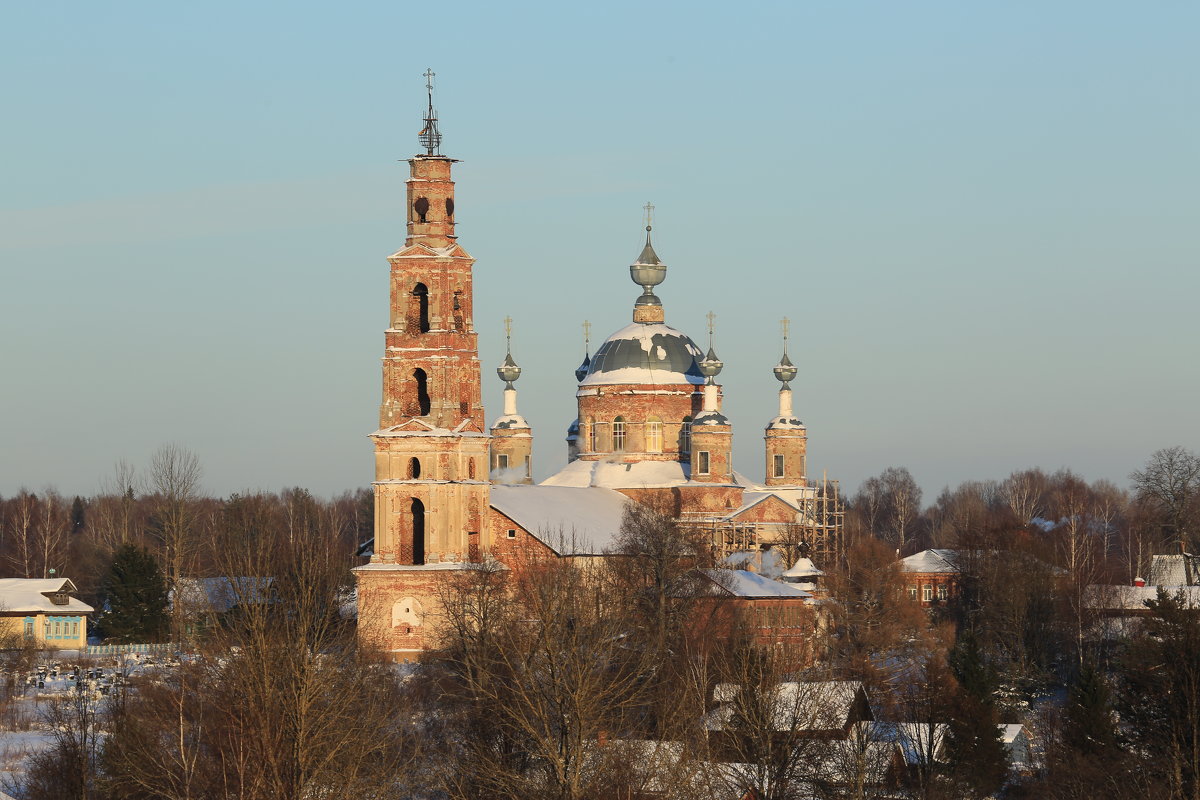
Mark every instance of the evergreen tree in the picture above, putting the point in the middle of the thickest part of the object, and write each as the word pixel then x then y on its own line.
pixel 1088 728
pixel 136 597
pixel 976 757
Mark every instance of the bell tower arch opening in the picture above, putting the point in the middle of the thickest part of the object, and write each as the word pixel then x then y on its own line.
pixel 422 389
pixel 418 312
pixel 418 532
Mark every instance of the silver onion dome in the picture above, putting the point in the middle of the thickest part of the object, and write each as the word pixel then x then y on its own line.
pixel 710 365
pixel 508 371
pixel 648 272
pixel 785 370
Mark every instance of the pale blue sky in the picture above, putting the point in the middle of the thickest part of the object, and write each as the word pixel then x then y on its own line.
pixel 982 219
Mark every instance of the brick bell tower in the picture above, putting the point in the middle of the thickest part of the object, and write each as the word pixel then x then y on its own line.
pixel 786 437
pixel 431 449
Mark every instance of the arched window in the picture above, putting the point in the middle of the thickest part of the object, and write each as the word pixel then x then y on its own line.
pixel 418 531
pixel 449 207
pixel 470 469
pixel 422 390
pixel 414 468
pixel 418 312
pixel 618 434
pixel 654 443
pixel 421 208
pixel 591 434
pixel 685 435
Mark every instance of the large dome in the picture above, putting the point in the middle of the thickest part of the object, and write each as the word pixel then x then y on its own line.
pixel 645 353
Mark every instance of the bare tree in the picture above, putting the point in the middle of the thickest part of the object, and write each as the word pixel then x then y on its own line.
pixel 1171 478
pixel 22 525
pixel 174 480
pixel 1024 492
pixel 902 504
pixel 53 525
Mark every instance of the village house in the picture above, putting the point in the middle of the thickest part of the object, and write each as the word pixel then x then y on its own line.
pixel 41 612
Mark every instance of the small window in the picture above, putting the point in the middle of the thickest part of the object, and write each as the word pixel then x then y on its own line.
pixel 470 469
pixel 777 468
pixel 702 462
pixel 685 435
pixel 449 207
pixel 912 593
pixel 528 467
pixel 414 468
pixel 512 533
pixel 927 592
pixel 654 435
pixel 591 434
pixel 942 591
pixel 502 461
pixel 29 627
pixel 618 434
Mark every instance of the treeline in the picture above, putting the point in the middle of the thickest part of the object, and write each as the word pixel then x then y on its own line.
pixel 162 508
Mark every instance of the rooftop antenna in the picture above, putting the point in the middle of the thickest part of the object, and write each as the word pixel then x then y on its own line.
pixel 429 136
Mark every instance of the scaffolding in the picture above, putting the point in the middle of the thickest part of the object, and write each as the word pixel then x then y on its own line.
pixel 817 532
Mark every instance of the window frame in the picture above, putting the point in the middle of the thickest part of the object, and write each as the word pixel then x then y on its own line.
pixel 620 435
pixel 703 462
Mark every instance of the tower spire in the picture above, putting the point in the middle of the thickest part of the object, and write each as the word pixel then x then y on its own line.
pixel 582 370
pixel 648 272
pixel 430 137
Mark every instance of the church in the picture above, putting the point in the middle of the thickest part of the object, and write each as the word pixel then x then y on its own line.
pixel 450 491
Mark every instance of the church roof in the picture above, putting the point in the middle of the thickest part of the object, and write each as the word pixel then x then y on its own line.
pixel 645 353
pixel 569 520
pixel 619 475
pixel 751 585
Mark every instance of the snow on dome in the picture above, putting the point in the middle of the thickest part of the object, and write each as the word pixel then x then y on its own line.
pixel 619 475
pixel 645 353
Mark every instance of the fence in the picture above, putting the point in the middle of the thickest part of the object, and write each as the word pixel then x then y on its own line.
pixel 126 649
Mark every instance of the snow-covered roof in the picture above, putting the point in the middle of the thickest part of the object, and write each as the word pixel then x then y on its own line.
pixel 570 520
pixel 765 562
pixel 619 475
pixel 935 560
pixel 1180 569
pixel 918 741
pixel 1133 598
pixel 223 593
pixel 645 353
pixel 785 423
pixel 803 568
pixel 751 585
pixel 25 595
pixel 794 706
pixel 510 421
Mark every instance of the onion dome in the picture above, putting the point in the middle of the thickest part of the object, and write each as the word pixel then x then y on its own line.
pixel 711 366
pixel 785 371
pixel 648 271
pixel 582 370
pixel 508 371
pixel 645 353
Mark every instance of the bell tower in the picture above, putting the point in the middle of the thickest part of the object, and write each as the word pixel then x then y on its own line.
pixel 431 448
pixel 786 436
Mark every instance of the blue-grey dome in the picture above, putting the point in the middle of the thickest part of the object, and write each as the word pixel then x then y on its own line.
pixel 645 352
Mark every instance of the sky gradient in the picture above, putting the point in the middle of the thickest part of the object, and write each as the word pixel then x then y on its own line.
pixel 981 219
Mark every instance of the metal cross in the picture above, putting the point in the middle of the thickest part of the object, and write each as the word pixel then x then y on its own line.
pixel 785 325
pixel 429 75
pixel 712 322
pixel 508 331
pixel 587 334
pixel 649 208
